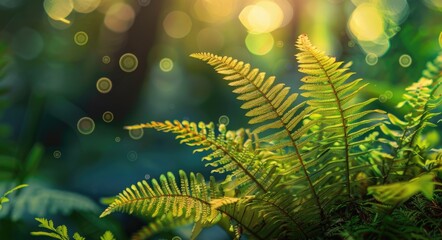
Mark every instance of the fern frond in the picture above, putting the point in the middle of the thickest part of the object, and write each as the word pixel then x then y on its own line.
pixel 230 152
pixel 271 106
pixel 4 199
pixel 40 201
pixel 334 98
pixel 194 199
pixel 107 236
pixel 422 97
pixel 60 232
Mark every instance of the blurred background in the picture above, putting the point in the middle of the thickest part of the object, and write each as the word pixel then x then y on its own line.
pixel 77 71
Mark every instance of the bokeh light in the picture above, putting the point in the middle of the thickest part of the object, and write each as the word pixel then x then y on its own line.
pixel 106 59
pixel 136 133
pixel 405 60
pixel 366 22
pixel 117 139
pixel 104 85
pixel 57 154
pixel 108 116
pixel 58 9
pixel 85 125
pixel 224 120
pixel 147 176
pixel 128 62
pixel 119 17
pixel 166 64
pixel 85 6
pixel 132 156
pixel 81 38
pixel 177 24
pixel 371 59
pixel 259 44
pixel 213 11
pixel 262 17
pixel 388 94
pixel 382 98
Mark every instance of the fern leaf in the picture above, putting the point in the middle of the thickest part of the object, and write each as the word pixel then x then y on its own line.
pixel 327 88
pixel 271 106
pixel 231 152
pixel 59 232
pixel 423 97
pixel 107 236
pixel 192 200
pixel 400 192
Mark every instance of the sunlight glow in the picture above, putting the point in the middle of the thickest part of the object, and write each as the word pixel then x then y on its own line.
pixel 214 11
pixel 119 17
pixel 58 9
pixel 86 6
pixel 177 24
pixel 262 17
pixel 259 44
pixel 366 23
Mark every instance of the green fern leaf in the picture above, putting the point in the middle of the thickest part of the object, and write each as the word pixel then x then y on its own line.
pixel 334 99
pixel 231 152
pixel 107 236
pixel 271 106
pixel 194 199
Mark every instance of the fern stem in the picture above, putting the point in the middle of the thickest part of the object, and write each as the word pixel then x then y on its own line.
pixel 341 112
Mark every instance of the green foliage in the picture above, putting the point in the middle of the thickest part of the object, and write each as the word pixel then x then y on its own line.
pixel 309 167
pixel 41 201
pixel 61 232
pixel 4 199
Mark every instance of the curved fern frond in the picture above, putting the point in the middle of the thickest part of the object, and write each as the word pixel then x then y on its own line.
pixel 230 152
pixel 194 199
pixel 271 106
pixel 334 98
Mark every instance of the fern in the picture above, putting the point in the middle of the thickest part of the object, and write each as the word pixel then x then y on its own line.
pixel 231 152
pixel 333 98
pixel 194 199
pixel 40 201
pixel 4 199
pixel 61 232
pixel 304 170
pixel 422 97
